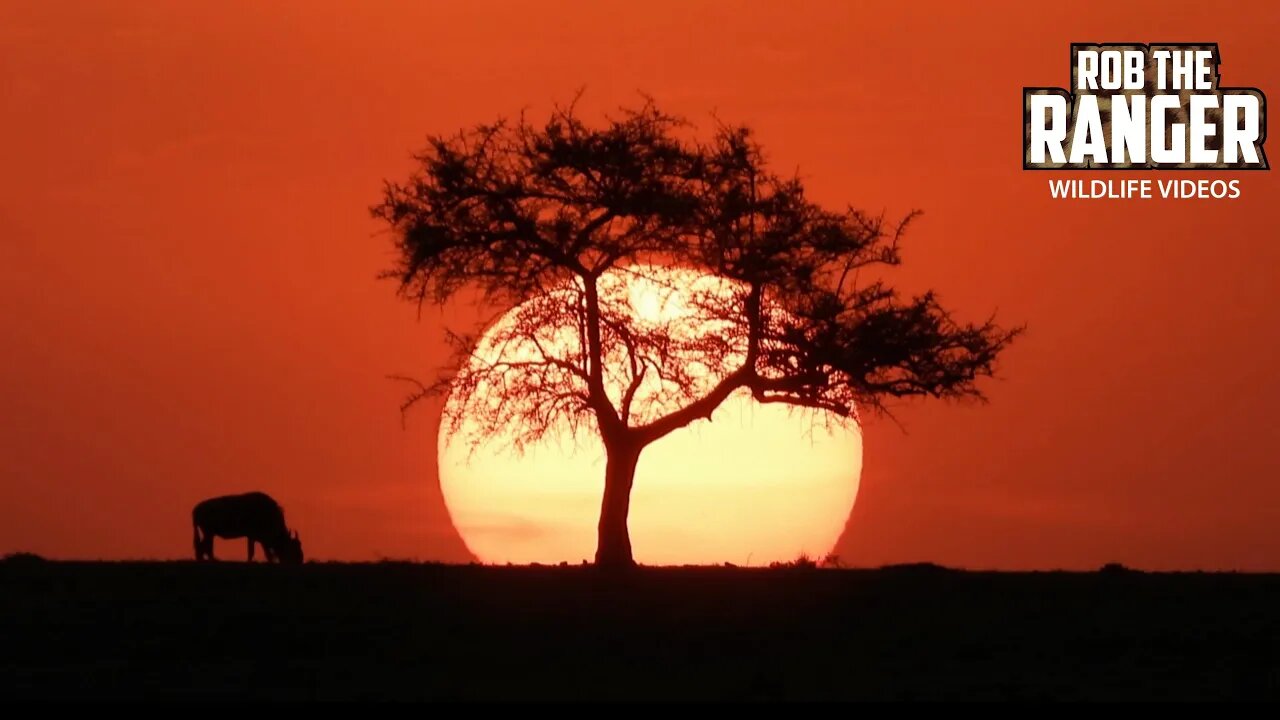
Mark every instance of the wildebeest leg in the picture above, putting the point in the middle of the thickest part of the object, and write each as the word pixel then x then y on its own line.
pixel 251 541
pixel 204 544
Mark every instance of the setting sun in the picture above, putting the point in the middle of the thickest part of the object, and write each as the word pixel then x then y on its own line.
pixel 756 484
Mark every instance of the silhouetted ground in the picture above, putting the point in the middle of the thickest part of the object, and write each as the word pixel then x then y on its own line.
pixel 402 631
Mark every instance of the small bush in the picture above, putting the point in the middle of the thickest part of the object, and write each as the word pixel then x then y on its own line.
pixel 22 558
pixel 803 562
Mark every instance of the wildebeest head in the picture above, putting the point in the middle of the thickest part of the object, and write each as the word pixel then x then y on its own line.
pixel 290 550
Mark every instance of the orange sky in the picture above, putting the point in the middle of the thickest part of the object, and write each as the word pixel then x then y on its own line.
pixel 189 305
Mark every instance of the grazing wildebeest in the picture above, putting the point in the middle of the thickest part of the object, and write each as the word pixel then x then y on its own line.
pixel 252 515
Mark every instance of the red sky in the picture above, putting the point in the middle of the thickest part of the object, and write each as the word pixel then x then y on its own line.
pixel 187 265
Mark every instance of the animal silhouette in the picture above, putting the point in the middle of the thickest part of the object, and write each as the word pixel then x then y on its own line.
pixel 253 515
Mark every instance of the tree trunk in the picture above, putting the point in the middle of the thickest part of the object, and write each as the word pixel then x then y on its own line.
pixel 613 549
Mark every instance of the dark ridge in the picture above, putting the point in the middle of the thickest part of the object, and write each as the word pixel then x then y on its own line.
pixel 918 567
pixel 408 631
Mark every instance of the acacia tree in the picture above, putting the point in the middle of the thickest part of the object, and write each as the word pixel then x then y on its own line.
pixel 545 218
